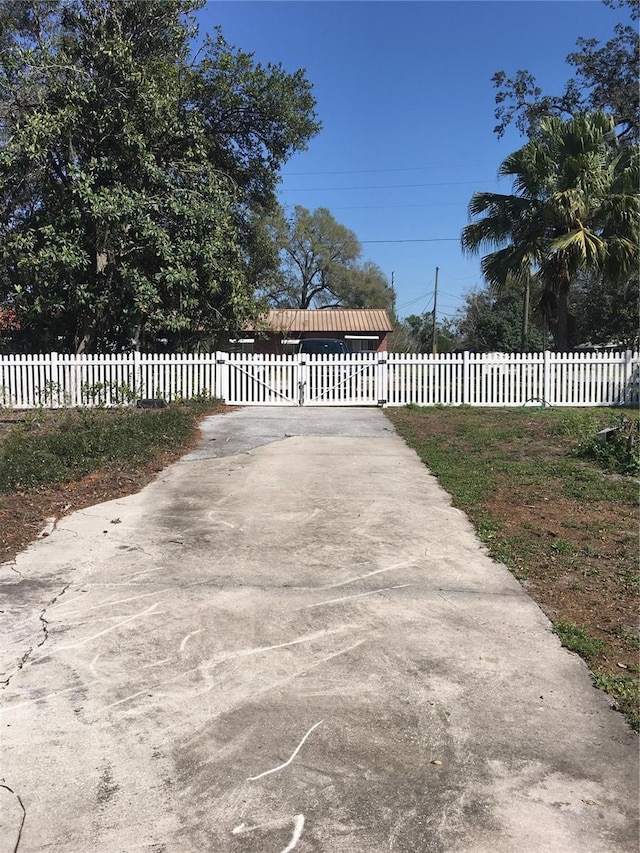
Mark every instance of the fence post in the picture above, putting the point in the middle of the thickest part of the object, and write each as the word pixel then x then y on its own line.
pixel 136 385
pixel 546 380
pixel 222 376
pixel 627 392
pixel 466 396
pixel 381 393
pixel 51 380
pixel 75 365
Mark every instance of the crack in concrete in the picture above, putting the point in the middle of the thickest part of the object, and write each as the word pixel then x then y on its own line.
pixel 127 547
pixel 44 622
pixel 23 818
pixel 21 663
pixel 11 564
pixel 67 530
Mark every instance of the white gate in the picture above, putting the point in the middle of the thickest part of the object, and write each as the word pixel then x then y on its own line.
pixel 259 380
pixel 303 380
pixel 345 380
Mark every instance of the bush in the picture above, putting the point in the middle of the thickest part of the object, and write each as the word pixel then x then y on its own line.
pixel 576 424
pixel 620 452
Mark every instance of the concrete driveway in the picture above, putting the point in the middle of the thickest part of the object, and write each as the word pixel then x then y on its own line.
pixel 291 641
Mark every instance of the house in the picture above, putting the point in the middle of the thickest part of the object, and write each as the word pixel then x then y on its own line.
pixel 9 328
pixel 282 329
pixel 9 321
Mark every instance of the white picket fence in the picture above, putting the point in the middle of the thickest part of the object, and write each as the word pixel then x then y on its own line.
pixel 370 379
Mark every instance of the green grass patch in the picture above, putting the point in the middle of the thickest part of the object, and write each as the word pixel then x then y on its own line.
pixel 449 461
pixel 625 691
pixel 577 640
pixel 515 552
pixel 578 424
pixel 80 441
pixel 562 546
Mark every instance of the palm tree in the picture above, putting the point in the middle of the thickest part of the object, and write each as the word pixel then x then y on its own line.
pixel 574 209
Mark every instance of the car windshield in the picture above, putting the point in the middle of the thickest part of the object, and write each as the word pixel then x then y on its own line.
pixel 320 346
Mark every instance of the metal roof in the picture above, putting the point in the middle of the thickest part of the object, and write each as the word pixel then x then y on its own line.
pixel 296 320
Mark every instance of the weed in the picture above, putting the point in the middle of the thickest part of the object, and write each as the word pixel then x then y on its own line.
pixel 625 691
pixel 632 642
pixel 592 551
pixel 487 527
pixel 561 546
pixel 617 451
pixel 103 393
pixel 630 580
pixel 577 640
pixel 513 551
pixel 590 573
pixel 576 424
pixel 53 393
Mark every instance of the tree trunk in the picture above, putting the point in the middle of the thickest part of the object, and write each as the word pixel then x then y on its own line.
pixel 84 344
pixel 561 331
pixel 525 318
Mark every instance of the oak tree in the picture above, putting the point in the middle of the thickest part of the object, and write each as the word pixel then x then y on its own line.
pixel 606 80
pixel 130 172
pixel 322 267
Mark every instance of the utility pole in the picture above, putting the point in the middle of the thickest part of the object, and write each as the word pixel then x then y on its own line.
pixel 434 337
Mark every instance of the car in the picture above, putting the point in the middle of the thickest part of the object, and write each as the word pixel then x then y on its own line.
pixel 324 379
pixel 323 346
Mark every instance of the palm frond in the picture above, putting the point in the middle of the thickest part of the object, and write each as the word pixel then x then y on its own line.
pixel 581 247
pixel 510 264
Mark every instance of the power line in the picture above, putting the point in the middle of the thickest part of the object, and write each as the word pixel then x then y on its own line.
pixel 395 206
pixel 419 240
pixel 383 186
pixel 464 278
pixel 404 240
pixel 378 171
pixel 426 296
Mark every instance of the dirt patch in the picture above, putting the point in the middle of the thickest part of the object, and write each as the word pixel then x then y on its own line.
pixel 577 564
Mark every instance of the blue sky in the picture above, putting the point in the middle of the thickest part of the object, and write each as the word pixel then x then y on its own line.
pixel 406 101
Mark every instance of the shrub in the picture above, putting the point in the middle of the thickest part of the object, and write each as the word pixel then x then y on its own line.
pixel 620 451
